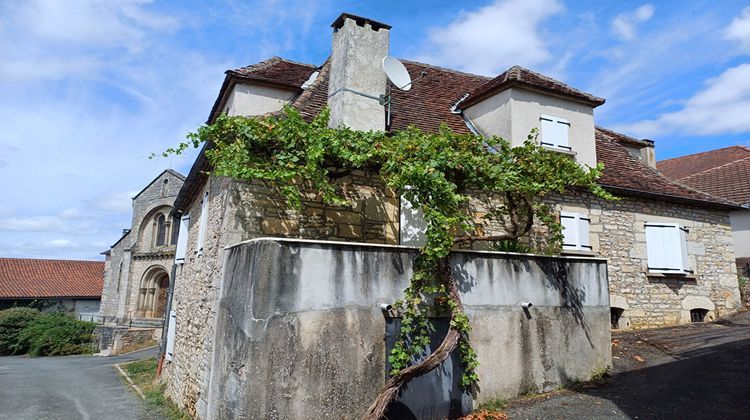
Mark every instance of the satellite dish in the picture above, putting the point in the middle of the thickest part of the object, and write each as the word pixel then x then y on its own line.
pixel 396 73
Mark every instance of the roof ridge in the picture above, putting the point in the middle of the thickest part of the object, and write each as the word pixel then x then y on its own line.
pixel 251 68
pixel 446 69
pixel 717 167
pixel 707 151
pixel 50 259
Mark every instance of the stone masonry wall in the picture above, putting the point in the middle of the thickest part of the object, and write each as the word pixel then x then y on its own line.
pixel 240 211
pixel 617 232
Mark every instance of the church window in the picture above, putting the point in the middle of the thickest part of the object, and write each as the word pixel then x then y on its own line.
pixel 161 230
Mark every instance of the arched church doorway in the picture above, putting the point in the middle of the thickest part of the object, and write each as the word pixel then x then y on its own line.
pixel 152 295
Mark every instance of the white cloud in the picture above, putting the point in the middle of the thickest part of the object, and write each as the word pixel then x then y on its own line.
pixel 118 202
pixel 109 23
pixel 493 38
pixel 721 107
pixel 739 29
pixel 624 25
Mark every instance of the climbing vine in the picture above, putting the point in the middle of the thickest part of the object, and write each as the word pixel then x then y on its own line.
pixel 436 172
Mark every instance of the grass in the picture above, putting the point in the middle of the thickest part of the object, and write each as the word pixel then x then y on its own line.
pixel 143 374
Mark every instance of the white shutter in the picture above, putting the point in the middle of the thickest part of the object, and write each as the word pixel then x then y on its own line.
pixel 412 224
pixel 683 246
pixel 555 132
pixel 169 348
pixel 570 230
pixel 583 232
pixel 182 237
pixel 666 246
pixel 202 224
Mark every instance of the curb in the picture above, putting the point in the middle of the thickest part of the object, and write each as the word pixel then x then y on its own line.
pixel 136 351
pixel 130 381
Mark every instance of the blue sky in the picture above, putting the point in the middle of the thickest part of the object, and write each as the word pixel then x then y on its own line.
pixel 89 89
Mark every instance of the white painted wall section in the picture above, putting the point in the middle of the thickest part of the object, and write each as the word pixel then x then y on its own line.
pixel 513 113
pixel 256 100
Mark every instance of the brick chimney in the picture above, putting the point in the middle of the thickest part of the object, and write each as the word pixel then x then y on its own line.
pixel 359 45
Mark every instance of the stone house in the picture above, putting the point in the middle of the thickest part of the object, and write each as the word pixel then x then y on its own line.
pixel 668 247
pixel 69 286
pixel 723 173
pixel 138 266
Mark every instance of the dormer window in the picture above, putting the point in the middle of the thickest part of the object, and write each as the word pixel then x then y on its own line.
pixel 555 132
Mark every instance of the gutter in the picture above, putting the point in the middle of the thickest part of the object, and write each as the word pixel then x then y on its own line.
pixel 456 110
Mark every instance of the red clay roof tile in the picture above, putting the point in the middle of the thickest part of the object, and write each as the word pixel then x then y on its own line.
pixel 429 103
pixel 684 166
pixel 36 278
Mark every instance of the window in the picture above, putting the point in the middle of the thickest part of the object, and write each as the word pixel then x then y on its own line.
pixel 666 244
pixel 182 237
pixel 698 315
pixel 202 224
pixel 575 231
pixel 161 230
pixel 614 315
pixel 175 230
pixel 555 132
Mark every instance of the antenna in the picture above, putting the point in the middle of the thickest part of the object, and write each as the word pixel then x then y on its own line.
pixel 397 73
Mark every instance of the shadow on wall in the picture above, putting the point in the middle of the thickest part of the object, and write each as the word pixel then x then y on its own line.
pixel 557 277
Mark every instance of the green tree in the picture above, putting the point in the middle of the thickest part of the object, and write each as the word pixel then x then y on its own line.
pixel 438 172
pixel 12 322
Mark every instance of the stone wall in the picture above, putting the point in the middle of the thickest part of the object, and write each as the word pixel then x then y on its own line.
pixel 617 233
pixel 136 253
pixel 240 211
pixel 304 339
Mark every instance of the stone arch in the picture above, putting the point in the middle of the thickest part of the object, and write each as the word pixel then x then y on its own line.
pixel 697 302
pixel 155 225
pixel 152 293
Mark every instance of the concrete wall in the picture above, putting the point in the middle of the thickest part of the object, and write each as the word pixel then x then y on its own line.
pixel 513 113
pixel 256 99
pixel 304 339
pixel 740 221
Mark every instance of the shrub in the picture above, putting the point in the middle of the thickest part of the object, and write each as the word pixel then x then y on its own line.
pixel 509 245
pixel 57 334
pixel 12 322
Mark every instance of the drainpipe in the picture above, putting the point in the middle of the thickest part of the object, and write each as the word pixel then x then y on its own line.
pixel 456 110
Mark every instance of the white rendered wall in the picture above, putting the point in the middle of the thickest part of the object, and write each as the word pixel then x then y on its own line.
pixel 513 113
pixel 740 221
pixel 256 100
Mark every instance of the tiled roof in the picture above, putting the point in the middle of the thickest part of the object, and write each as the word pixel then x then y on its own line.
pixel 34 278
pixel 684 166
pixel 426 105
pixel 518 75
pixel 277 71
pixel 730 181
pixel 430 101
pixel 625 174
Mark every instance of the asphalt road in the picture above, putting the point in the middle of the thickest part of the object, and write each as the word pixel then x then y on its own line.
pixel 70 387
pixel 697 371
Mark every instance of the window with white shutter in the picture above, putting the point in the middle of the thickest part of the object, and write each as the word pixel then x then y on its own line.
pixel 202 225
pixel 555 132
pixel 575 231
pixel 666 245
pixel 182 236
